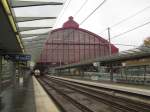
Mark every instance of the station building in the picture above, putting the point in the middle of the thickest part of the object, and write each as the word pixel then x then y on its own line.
pixel 71 44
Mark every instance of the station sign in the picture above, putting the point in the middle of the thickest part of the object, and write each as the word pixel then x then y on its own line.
pixel 17 57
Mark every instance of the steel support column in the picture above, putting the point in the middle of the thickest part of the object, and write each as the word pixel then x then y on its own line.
pixel 74 46
pixel 68 48
pixel 79 47
pixel 94 49
pixel 52 50
pixel 109 41
pixel 0 77
pixel 145 73
pixel 84 47
pixel 69 71
pixel 14 73
pixel 63 59
pixel 99 66
pixel 111 72
pixel 89 47
pixel 46 55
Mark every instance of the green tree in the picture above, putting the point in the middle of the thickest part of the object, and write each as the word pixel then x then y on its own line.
pixel 147 41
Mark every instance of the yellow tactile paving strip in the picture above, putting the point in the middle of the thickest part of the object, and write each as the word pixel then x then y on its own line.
pixel 42 100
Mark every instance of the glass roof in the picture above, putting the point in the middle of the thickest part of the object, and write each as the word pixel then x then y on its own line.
pixel 38 23
pixel 38 31
pixel 34 20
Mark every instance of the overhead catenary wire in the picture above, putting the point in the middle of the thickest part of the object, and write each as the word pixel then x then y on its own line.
pixel 62 13
pixel 127 18
pixel 77 11
pixel 130 30
pixel 119 44
pixel 126 45
pixel 114 24
pixel 80 8
pixel 92 12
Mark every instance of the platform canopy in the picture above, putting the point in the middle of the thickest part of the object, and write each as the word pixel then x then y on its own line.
pixel 137 53
pixel 34 19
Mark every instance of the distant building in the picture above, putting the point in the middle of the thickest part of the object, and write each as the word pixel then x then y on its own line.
pixel 71 44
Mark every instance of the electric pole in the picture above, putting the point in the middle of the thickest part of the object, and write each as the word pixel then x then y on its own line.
pixel 109 41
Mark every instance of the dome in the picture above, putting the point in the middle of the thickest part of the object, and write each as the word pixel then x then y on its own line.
pixel 70 23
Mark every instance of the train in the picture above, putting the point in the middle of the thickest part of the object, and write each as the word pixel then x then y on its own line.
pixel 37 73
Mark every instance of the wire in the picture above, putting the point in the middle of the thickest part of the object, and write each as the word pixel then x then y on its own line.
pixel 120 44
pixel 93 12
pixel 130 30
pixel 89 14
pixel 62 13
pixel 126 45
pixel 125 19
pixel 80 8
pixel 135 14
pixel 103 30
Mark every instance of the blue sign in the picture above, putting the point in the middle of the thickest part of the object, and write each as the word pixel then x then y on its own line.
pixel 18 57
pixel 23 57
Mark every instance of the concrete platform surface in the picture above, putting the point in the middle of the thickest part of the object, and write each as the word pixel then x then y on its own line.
pixel 26 95
pixel 116 86
pixel 42 100
pixel 19 97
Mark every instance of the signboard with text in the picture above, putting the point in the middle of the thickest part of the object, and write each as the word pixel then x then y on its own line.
pixel 17 57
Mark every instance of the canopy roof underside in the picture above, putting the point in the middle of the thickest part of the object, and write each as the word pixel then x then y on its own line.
pixel 34 19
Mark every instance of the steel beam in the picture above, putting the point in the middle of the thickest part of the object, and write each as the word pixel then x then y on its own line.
pixel 25 19
pixel 18 4
pixel 31 28
pixel 31 35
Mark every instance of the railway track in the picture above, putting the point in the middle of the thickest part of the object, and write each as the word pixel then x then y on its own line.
pixel 102 94
pixel 65 101
pixel 115 104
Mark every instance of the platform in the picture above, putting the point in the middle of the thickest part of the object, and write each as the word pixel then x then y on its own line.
pixel 19 97
pixel 137 89
pixel 43 102
pixel 26 95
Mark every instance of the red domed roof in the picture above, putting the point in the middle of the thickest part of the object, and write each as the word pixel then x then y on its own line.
pixel 70 23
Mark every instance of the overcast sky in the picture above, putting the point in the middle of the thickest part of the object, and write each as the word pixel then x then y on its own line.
pixel 109 14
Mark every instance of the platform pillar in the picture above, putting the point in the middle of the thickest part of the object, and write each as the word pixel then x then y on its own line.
pixel 0 77
pixel 145 73
pixel 69 71
pixel 111 73
pixel 14 73
pixel 99 66
pixel 0 72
